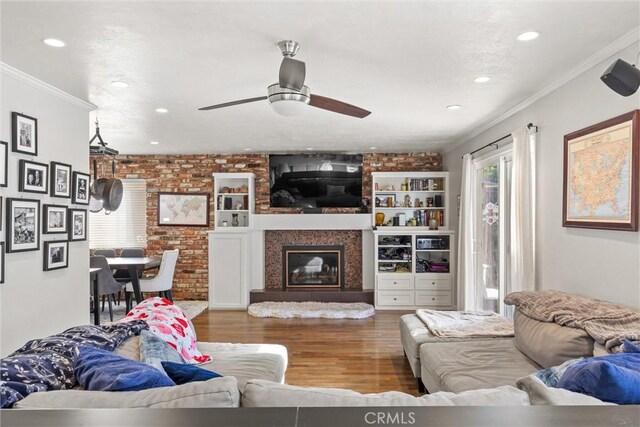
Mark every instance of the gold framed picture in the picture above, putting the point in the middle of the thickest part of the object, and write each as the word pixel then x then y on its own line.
pixel 601 175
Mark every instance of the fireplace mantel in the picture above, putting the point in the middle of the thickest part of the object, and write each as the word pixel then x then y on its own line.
pixel 312 222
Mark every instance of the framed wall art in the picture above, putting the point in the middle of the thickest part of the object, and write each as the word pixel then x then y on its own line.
pixel 23 225
pixel 33 177
pixel 183 209
pixel 54 219
pixel 56 255
pixel 4 163
pixel 601 175
pixel 77 225
pixel 24 134
pixel 80 188
pixel 1 262
pixel 60 180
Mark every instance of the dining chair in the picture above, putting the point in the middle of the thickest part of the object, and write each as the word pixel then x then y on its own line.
pixel 122 274
pixel 162 283
pixel 107 285
pixel 108 253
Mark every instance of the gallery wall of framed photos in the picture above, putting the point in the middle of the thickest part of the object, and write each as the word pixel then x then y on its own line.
pixel 43 146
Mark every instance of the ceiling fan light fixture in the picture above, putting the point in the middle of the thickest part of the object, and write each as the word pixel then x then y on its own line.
pixel 288 102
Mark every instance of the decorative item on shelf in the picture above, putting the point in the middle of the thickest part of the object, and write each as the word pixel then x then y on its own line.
pixel 375 186
pixel 396 221
pixel 224 190
pixel 379 218
pixel 390 202
pixel 437 201
pixel 414 222
pixel 225 223
pixel 244 189
pixel 433 224
pixel 402 218
pixel 429 202
pixel 234 220
pixel 239 205
pixel 407 201
pixel 417 203
pixel 228 203
pixel 377 202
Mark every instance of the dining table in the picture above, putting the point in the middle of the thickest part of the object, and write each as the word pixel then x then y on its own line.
pixel 135 266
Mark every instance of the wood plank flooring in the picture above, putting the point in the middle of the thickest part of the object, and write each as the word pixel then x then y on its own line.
pixel 362 355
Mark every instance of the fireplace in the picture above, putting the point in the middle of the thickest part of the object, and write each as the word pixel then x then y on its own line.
pixel 313 266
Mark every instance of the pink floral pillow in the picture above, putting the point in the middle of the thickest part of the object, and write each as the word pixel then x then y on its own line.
pixel 170 324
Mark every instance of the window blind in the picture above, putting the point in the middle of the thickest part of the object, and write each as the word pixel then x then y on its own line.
pixel 126 227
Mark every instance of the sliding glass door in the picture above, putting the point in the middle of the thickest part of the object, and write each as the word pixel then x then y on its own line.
pixel 491 241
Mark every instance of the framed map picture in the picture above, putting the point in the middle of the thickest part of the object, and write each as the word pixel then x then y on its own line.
pixel 183 209
pixel 601 175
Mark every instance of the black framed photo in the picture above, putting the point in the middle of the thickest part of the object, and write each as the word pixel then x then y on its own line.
pixel 56 255
pixel 77 225
pixel 1 262
pixel 60 180
pixel 33 177
pixel 24 134
pixel 4 163
pixel 54 219
pixel 23 225
pixel 1 205
pixel 81 188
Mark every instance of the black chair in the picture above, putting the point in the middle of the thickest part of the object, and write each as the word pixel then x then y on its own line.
pixel 122 274
pixel 107 285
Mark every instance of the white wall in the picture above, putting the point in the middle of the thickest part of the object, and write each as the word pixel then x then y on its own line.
pixel 35 303
pixel 596 263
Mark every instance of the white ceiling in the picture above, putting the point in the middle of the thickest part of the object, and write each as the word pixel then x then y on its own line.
pixel 405 62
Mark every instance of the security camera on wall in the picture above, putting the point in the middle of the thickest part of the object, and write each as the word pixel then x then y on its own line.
pixel 622 77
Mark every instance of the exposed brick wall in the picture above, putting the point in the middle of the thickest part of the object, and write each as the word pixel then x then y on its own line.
pixel 192 173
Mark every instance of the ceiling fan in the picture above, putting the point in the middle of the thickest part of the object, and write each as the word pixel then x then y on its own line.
pixel 290 96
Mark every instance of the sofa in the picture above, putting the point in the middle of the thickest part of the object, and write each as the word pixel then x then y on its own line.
pixel 237 363
pixel 549 328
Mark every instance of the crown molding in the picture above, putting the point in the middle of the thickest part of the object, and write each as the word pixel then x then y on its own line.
pixel 616 46
pixel 23 77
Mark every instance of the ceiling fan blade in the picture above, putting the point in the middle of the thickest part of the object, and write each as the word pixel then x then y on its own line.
pixel 337 106
pixel 229 104
pixel 292 73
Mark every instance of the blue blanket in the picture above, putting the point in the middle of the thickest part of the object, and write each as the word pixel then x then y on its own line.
pixel 47 363
pixel 613 378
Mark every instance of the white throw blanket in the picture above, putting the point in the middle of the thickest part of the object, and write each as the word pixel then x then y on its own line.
pixel 469 324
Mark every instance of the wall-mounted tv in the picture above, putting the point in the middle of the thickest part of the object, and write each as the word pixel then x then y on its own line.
pixel 315 180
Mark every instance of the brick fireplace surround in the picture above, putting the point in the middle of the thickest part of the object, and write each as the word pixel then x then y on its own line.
pixel 274 240
pixel 193 173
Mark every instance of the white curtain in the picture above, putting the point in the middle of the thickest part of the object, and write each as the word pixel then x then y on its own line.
pixel 523 212
pixel 467 298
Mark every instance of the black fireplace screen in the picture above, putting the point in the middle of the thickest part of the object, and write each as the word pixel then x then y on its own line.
pixel 313 266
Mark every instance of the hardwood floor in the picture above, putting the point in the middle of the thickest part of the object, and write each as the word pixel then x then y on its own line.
pixel 362 355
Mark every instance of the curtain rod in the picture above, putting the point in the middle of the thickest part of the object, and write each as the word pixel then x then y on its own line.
pixel 529 126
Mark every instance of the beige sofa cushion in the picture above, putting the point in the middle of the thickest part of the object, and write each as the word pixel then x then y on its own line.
pixel 214 393
pixel 550 344
pixel 471 365
pixel 540 394
pixel 259 393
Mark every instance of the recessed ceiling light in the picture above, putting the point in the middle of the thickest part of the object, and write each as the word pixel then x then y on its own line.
pixel 248 149
pixel 54 42
pixel 453 107
pixel 372 148
pixel 161 110
pixel 118 83
pixel 527 36
pixel 482 79
pixel 309 148
pixel 154 143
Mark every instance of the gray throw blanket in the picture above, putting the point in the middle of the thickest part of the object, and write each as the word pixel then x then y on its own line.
pixel 606 323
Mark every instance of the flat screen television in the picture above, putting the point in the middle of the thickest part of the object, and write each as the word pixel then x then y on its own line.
pixel 315 180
